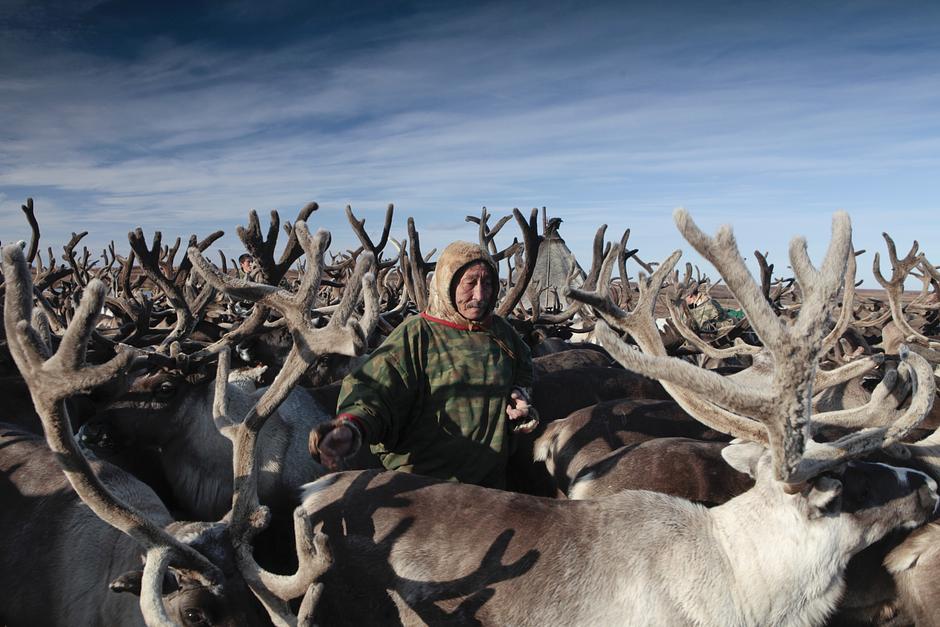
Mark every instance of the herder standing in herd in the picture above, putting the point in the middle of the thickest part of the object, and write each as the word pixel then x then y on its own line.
pixel 432 399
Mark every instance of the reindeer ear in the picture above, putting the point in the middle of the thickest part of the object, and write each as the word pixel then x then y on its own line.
pixel 743 456
pixel 825 496
pixel 130 582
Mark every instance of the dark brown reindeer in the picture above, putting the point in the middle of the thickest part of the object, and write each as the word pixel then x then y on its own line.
pixel 911 594
pixel 558 393
pixel 411 550
pixel 52 378
pixel 616 446
pixel 638 445
pixel 59 557
pixel 171 408
pixel 83 547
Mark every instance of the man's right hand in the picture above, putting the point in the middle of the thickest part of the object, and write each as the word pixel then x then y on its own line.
pixel 331 443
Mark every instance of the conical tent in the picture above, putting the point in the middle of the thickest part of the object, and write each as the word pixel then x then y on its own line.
pixel 554 266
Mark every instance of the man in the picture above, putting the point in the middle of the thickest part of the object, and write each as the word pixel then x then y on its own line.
pixel 246 262
pixel 707 313
pixel 439 396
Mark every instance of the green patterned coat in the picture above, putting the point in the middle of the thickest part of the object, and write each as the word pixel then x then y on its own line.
pixel 432 398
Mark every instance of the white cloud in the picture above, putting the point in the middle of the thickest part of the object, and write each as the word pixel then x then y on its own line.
pixel 598 114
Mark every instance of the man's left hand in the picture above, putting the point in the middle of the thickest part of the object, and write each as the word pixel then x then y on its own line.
pixel 520 411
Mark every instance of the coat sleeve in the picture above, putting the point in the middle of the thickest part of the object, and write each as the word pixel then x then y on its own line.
pixel 383 392
pixel 524 372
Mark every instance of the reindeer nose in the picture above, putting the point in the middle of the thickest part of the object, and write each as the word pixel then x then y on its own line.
pixel 928 498
pixel 916 479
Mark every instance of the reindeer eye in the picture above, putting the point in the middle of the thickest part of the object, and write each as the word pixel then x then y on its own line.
pixel 195 616
pixel 165 390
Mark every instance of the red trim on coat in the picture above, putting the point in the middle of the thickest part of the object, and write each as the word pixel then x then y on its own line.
pixel 473 326
pixel 356 420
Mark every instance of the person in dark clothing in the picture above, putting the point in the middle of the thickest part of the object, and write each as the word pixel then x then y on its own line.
pixel 442 394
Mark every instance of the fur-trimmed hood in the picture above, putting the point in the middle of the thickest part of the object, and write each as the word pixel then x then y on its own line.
pixel 456 256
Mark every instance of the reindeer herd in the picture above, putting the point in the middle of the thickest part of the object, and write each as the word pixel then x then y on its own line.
pixel 154 462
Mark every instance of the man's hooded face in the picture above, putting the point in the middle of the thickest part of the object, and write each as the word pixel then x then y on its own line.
pixel 477 298
pixel 474 291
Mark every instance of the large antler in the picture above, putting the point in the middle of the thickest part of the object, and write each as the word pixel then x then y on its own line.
pixel 778 414
pixel 524 270
pixel 248 518
pixel 900 268
pixel 487 235
pixel 679 312
pixel 359 227
pixel 415 268
pixel 342 335
pixel 34 227
pixel 150 264
pixel 52 378
pixel 79 271
pixel 848 302
pixel 262 249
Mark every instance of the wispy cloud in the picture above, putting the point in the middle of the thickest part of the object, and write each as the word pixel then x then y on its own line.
pixel 768 120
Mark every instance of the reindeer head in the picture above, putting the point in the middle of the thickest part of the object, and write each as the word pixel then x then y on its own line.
pixel 774 413
pixel 187 599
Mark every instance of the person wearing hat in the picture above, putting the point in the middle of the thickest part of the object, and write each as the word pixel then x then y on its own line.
pixel 443 393
pixel 707 313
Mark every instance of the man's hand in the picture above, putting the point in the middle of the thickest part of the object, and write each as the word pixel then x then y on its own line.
pixel 331 443
pixel 521 411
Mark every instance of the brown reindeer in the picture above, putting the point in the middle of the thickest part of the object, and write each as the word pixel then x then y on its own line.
pixel 170 408
pixel 196 554
pixel 638 445
pixel 412 550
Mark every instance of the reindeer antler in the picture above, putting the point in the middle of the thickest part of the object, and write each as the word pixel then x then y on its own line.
pixel 679 312
pixel 52 378
pixel 150 264
pixel 248 518
pixel 342 335
pixel 415 268
pixel 262 249
pixel 900 268
pixel 34 227
pixel 531 243
pixel 359 227
pixel 780 412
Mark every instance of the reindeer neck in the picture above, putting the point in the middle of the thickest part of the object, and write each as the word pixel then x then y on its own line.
pixel 197 460
pixel 786 568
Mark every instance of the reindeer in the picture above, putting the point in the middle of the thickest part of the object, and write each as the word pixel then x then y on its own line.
pixel 81 530
pixel 59 556
pixel 409 549
pixel 911 595
pixel 637 444
pixel 188 575
pixel 170 408
pixel 168 411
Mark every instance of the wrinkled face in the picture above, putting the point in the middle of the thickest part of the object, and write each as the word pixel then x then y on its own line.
pixel 474 292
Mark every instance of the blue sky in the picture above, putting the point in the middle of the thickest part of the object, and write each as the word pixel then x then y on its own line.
pixel 182 116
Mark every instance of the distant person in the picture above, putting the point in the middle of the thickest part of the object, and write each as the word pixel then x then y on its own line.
pixel 246 263
pixel 442 395
pixel 708 315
